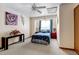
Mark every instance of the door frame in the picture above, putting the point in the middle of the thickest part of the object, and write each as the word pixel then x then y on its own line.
pixel 74 30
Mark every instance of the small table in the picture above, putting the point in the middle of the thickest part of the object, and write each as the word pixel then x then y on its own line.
pixel 5 40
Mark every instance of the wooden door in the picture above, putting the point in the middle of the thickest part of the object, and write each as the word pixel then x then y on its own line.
pixel 76 29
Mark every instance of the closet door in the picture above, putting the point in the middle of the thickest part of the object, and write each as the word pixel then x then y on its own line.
pixel 76 29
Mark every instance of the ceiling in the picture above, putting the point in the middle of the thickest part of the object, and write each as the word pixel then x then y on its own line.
pixel 26 8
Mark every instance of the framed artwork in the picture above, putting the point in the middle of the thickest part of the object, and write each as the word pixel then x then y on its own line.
pixel 11 19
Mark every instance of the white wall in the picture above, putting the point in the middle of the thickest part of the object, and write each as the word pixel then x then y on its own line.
pixel 26 27
pixel 6 29
pixel 58 25
pixel 67 25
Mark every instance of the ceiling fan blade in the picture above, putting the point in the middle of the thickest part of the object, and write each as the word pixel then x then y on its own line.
pixel 38 11
pixel 41 7
pixel 34 5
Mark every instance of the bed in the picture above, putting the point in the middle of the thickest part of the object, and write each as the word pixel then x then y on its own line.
pixel 41 38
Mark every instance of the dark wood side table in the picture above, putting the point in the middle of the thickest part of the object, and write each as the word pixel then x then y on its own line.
pixel 5 40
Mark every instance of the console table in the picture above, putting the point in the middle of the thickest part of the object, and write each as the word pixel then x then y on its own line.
pixel 5 40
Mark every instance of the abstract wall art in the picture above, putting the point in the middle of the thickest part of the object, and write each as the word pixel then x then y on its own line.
pixel 11 19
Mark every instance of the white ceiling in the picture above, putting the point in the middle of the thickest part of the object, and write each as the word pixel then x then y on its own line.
pixel 20 8
pixel 26 8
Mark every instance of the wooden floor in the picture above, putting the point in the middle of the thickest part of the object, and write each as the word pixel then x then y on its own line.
pixel 28 48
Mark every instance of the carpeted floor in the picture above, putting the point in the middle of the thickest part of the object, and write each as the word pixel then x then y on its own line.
pixel 28 48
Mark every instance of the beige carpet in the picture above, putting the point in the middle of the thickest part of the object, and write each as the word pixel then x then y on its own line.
pixel 28 48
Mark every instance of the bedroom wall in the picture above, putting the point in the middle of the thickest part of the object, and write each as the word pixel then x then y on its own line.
pixel 32 27
pixel 6 29
pixel 67 25
pixel 58 25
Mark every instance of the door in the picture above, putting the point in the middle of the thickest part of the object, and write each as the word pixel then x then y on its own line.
pixel 76 29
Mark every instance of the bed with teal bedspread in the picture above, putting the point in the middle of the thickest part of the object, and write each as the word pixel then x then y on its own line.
pixel 41 36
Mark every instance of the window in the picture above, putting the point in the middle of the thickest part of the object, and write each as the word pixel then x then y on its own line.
pixel 45 25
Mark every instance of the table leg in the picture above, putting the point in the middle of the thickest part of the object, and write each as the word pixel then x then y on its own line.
pixel 20 38
pixel 6 44
pixel 3 42
pixel 23 38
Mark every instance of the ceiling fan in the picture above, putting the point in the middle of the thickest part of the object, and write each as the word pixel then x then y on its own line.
pixel 36 8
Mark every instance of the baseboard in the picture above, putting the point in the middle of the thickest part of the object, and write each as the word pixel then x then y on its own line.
pixel 14 43
pixel 28 37
pixel 67 48
pixel 77 51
